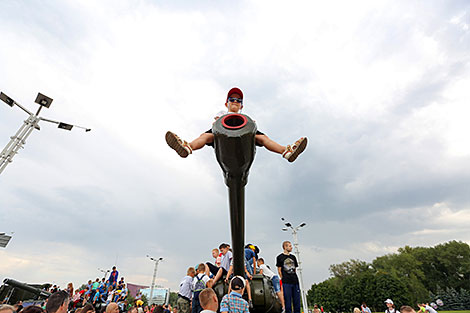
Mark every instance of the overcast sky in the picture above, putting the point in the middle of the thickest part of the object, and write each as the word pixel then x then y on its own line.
pixel 380 88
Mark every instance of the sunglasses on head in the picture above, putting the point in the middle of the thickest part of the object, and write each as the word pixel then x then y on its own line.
pixel 239 100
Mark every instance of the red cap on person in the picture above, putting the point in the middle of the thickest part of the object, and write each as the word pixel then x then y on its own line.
pixel 235 90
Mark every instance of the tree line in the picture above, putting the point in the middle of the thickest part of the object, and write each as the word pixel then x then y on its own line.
pixel 411 276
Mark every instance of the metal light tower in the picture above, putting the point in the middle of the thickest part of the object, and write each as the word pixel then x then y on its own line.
pixel 32 122
pixel 297 254
pixel 105 272
pixel 154 276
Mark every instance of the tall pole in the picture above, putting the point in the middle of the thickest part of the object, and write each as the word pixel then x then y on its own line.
pixel 301 281
pixel 154 277
pixel 17 141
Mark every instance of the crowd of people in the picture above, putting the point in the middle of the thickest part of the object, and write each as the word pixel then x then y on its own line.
pixel 98 296
pixel 206 275
pixel 195 292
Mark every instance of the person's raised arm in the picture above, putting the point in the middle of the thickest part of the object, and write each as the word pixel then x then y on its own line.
pixel 230 270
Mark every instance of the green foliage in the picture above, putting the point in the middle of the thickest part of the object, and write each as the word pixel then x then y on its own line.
pixel 145 300
pixel 173 298
pixel 410 276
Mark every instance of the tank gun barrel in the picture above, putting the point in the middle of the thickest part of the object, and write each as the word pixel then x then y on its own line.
pixel 234 143
pixel 25 287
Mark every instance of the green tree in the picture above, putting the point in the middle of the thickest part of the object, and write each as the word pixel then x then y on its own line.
pixel 173 298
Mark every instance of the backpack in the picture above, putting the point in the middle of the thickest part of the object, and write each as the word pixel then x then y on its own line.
pixel 200 284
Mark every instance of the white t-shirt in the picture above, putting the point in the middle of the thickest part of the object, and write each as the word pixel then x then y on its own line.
pixel 205 279
pixel 392 311
pixel 266 271
pixel 430 309
pixel 226 261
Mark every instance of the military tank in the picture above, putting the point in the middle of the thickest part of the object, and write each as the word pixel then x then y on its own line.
pixel 234 145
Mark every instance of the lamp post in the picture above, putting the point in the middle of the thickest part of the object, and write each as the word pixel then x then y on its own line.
pixel 105 272
pixel 32 122
pixel 154 276
pixel 297 254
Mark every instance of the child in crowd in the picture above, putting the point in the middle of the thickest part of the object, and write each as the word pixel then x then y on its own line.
pixel 233 302
pixel 234 104
pixel 264 270
pixel 248 276
pixel 200 282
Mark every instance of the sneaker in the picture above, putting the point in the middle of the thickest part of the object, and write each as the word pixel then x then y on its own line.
pixel 179 145
pixel 250 304
pixel 293 151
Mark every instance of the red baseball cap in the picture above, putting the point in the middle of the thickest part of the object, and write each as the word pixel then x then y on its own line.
pixel 234 90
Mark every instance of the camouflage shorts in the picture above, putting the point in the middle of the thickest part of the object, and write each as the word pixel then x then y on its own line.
pixel 184 306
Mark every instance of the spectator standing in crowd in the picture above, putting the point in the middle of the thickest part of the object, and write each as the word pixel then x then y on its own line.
pixel 208 300
pixel 233 302
pixel 33 309
pixel 185 292
pixel 113 277
pixel 356 310
pixel 58 302
pixel 110 295
pixel 96 298
pixel 75 298
pixel 112 308
pixel 18 306
pixel 88 308
pixel 390 307
pixel 316 309
pixel 266 271
pixel 5 308
pixel 199 284
pixel 428 308
pixel 70 289
pixel 94 287
pixel 407 309
pixel 286 264
pixel 365 308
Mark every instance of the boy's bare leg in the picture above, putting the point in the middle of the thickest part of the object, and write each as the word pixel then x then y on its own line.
pixel 280 294
pixel 201 141
pixel 217 277
pixel 269 144
pixel 248 289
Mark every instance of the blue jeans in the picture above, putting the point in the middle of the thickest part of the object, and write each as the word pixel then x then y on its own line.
pixel 292 297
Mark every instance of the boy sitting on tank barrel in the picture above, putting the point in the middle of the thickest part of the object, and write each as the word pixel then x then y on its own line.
pixel 234 104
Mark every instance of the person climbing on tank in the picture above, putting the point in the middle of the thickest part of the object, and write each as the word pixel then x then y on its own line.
pixel 234 104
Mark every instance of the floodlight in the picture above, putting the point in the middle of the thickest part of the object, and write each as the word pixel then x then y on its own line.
pixel 7 99
pixel 65 126
pixel 288 224
pixel 302 225
pixel 4 240
pixel 285 229
pixel 43 100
